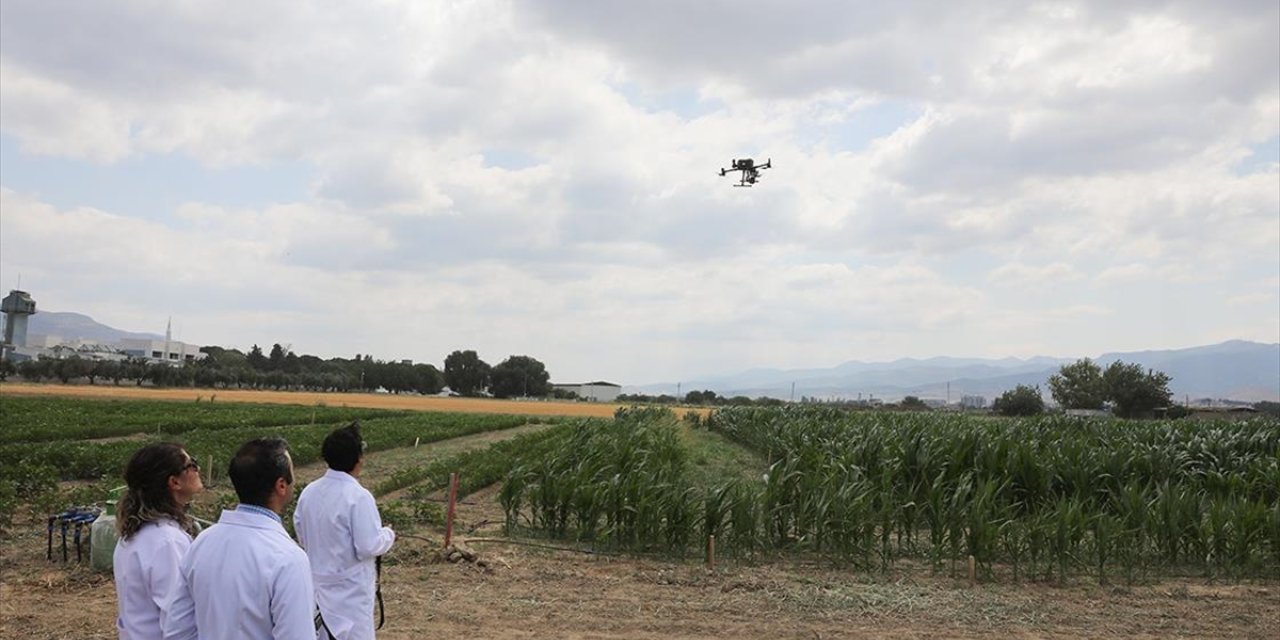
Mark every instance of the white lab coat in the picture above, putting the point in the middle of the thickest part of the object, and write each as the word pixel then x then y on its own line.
pixel 146 569
pixel 243 579
pixel 339 526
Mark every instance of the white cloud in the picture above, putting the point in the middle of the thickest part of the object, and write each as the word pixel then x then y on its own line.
pixel 1018 274
pixel 1087 147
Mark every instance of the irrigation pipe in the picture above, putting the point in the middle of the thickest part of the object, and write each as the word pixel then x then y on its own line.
pixel 509 541
pixel 542 546
pixel 424 539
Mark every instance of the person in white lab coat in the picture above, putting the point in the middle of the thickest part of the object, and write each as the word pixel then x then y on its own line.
pixel 155 533
pixel 339 526
pixel 245 578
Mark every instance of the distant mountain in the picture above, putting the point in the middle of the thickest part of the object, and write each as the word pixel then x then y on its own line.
pixel 71 326
pixel 1237 369
pixel 1234 369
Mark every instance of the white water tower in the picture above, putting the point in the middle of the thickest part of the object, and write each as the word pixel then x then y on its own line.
pixel 16 307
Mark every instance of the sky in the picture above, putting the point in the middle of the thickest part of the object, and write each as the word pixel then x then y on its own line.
pixel 406 179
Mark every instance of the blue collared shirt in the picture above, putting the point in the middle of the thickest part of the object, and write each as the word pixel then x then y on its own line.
pixel 253 508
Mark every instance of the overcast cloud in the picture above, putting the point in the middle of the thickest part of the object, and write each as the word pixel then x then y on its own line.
pixel 409 178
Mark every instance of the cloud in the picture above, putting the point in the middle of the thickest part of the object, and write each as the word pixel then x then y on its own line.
pixel 935 168
pixel 1018 274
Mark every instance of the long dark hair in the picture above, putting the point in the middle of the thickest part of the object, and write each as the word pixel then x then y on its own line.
pixel 147 498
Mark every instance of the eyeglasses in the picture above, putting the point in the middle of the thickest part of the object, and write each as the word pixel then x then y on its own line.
pixel 192 464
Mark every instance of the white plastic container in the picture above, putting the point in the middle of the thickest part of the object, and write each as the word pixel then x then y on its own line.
pixel 103 536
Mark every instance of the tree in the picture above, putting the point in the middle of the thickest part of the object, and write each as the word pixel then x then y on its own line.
pixel 427 379
pixel 292 363
pixel 275 362
pixel 1078 385
pixel 35 370
pixel 465 373
pixel 226 358
pixel 68 369
pixel 912 403
pixel 520 376
pixel 256 359
pixel 112 370
pixel 701 397
pixel 1020 401
pixel 1136 393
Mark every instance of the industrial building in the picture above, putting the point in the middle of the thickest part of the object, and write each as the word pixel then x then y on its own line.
pixel 18 346
pixel 598 391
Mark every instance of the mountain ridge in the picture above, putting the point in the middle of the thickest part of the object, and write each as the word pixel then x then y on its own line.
pixel 69 325
pixel 1234 369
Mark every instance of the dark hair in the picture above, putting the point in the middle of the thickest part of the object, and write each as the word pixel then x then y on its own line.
pixel 257 466
pixel 343 447
pixel 147 498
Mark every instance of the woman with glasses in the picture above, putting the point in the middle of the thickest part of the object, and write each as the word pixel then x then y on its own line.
pixel 155 533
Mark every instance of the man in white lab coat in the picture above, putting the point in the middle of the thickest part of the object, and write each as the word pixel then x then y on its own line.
pixel 245 578
pixel 339 526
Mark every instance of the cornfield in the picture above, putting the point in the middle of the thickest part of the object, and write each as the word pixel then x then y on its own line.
pixel 1041 498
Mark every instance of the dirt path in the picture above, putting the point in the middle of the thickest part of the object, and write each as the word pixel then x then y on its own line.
pixel 533 593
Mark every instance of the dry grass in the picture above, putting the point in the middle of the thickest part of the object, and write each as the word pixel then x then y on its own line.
pixel 367 400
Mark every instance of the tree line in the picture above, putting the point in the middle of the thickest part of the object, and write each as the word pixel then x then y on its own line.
pixel 281 369
pixel 1124 387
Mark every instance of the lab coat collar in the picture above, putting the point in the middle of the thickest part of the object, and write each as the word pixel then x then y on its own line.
pixel 251 520
pixel 341 476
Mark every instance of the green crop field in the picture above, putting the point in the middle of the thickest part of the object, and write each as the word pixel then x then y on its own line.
pixel 49 440
pixel 1042 498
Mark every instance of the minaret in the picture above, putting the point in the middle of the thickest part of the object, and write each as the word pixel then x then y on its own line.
pixel 16 307
pixel 168 337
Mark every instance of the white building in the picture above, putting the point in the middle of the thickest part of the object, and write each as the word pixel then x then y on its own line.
pixel 171 351
pixel 598 391
pixel 33 346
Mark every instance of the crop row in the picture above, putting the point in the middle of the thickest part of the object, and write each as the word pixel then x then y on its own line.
pixel 478 468
pixel 91 460
pixel 42 419
pixel 623 484
pixel 29 469
pixel 1041 497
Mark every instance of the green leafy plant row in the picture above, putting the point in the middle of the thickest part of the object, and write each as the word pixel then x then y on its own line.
pixel 29 470
pixel 45 419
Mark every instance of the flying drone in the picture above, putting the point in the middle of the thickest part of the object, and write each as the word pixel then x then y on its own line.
pixel 750 170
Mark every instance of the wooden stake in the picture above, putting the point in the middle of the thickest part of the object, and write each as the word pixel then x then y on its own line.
pixel 711 552
pixel 448 518
pixel 210 468
pixel 973 569
pixel 415 441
